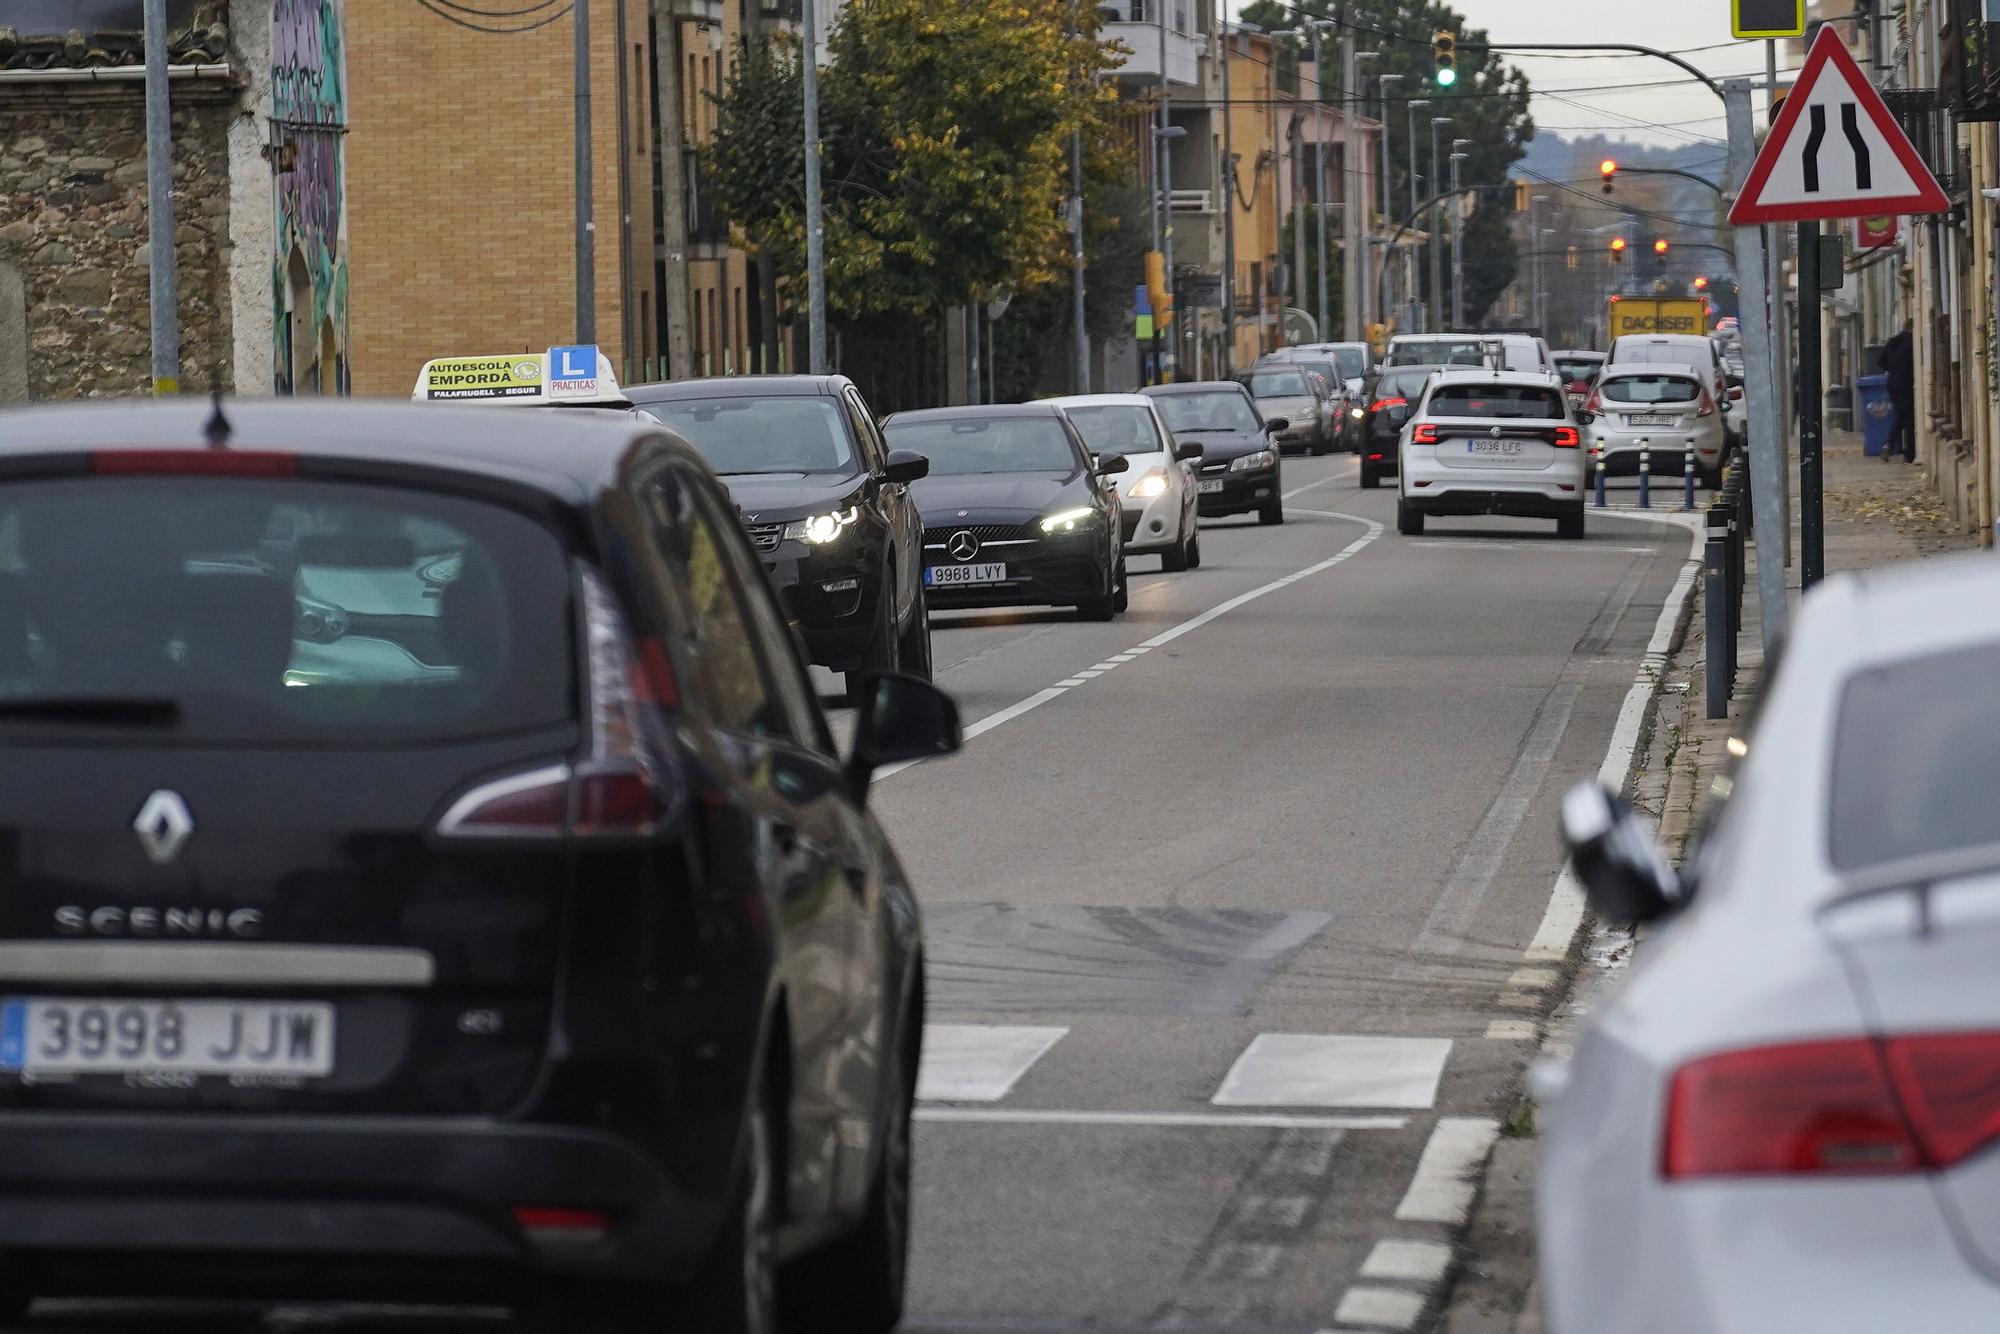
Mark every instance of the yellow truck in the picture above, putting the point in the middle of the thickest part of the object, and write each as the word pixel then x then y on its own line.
pixel 1657 315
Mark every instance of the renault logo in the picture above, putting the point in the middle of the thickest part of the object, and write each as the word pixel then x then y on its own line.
pixel 963 545
pixel 163 825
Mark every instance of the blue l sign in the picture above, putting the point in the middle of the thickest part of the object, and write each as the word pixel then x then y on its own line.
pixel 572 363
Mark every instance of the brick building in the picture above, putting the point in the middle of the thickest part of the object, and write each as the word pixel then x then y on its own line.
pixel 460 197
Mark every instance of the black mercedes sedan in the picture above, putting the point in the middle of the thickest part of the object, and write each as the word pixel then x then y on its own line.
pixel 826 503
pixel 1240 470
pixel 426 875
pixel 1016 511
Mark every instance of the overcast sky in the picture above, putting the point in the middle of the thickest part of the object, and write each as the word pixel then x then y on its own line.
pixel 1610 95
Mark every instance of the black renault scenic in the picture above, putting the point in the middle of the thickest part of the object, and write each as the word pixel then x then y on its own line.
pixel 425 873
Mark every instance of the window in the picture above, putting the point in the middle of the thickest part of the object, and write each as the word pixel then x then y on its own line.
pixel 307 611
pixel 1210 411
pixel 1278 384
pixel 1503 401
pixel 757 434
pixel 874 450
pixel 1117 429
pixel 1649 389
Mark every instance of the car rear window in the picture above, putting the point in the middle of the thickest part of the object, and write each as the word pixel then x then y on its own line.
pixel 1915 763
pixel 1403 384
pixel 1278 384
pixel 1578 368
pixel 1496 400
pixel 1649 389
pixel 1666 354
pixel 961 445
pixel 1441 352
pixel 282 611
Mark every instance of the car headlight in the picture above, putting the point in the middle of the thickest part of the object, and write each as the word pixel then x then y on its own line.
pixel 1069 521
pixel 1263 458
pixel 823 528
pixel 1357 413
pixel 1152 484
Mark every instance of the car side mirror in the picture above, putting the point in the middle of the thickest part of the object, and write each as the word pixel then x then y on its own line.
pixel 899 717
pixel 1727 406
pixel 1397 416
pixel 906 466
pixel 1277 424
pixel 1110 464
pixel 1189 452
pixel 1617 856
pixel 1585 418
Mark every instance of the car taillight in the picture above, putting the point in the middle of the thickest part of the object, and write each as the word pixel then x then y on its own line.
pixel 1707 408
pixel 193 463
pixel 1568 438
pixel 1735 392
pixel 1425 434
pixel 1844 1107
pixel 616 789
pixel 1383 404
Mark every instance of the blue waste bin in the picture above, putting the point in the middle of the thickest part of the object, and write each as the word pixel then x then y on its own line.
pixel 1878 413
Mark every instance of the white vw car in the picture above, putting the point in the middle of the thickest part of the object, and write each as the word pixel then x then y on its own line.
pixel 1157 491
pixel 1787 1115
pixel 1492 442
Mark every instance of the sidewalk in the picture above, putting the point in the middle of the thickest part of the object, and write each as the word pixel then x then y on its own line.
pixel 1877 513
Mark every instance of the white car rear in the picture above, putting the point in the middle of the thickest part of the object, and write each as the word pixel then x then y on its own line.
pixel 1696 350
pixel 1156 492
pixel 1665 413
pixel 1787 1117
pixel 1491 442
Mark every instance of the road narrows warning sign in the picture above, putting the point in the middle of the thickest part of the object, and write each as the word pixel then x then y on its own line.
pixel 1836 151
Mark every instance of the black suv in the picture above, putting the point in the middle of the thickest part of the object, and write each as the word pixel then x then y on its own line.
pixel 826 503
pixel 425 873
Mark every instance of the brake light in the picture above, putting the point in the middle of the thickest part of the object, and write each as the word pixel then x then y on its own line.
pixel 616 789
pixel 1707 408
pixel 1735 392
pixel 1567 437
pixel 1383 404
pixel 1425 434
pixel 554 1222
pixel 1845 1107
pixel 193 463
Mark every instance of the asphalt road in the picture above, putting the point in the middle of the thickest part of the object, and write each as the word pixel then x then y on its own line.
pixel 1227 902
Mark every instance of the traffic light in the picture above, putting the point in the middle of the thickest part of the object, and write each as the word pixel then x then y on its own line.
pixel 1156 289
pixel 1609 171
pixel 1444 57
pixel 1660 251
pixel 1617 250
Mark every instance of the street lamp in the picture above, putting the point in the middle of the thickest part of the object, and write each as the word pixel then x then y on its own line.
pixel 1382 83
pixel 1410 148
pixel 1436 254
pixel 1319 160
pixel 1458 155
pixel 1163 134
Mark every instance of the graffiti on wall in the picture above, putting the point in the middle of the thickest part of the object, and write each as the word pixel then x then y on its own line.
pixel 309 266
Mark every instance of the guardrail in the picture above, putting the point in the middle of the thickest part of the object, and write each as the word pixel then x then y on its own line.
pixel 1724 574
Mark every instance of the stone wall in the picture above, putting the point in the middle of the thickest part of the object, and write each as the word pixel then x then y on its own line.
pixel 73 222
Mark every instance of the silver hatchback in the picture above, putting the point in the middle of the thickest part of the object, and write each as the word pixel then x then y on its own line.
pixel 1663 413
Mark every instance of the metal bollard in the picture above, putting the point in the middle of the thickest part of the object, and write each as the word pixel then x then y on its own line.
pixel 1721 525
pixel 1600 474
pixel 1645 474
pixel 1721 644
pixel 1687 479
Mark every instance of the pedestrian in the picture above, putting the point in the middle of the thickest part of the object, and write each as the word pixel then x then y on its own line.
pixel 1899 363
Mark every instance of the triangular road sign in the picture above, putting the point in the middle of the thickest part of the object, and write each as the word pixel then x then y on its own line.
pixel 1836 152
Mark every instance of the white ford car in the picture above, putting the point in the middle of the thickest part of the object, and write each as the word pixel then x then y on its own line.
pixel 1787 1114
pixel 1157 490
pixel 1492 442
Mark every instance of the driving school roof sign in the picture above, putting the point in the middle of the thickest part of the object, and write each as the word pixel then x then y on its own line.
pixel 1836 151
pixel 477 378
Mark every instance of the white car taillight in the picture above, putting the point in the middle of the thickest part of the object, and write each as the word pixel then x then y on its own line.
pixel 617 788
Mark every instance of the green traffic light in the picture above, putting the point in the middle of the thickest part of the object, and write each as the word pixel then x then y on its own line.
pixel 1446 77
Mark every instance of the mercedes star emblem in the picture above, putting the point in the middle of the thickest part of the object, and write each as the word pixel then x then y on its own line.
pixel 163 825
pixel 963 545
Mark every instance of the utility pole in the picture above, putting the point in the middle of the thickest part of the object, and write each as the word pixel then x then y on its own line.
pixel 673 189
pixel 1167 204
pixel 1228 208
pixel 1299 216
pixel 586 199
pixel 1766 447
pixel 160 205
pixel 1382 82
pixel 1076 262
pixel 1319 175
pixel 1353 202
pixel 815 227
pixel 1410 148
pixel 1457 236
pixel 1435 245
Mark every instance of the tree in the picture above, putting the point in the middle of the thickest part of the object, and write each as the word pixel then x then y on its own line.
pixel 1488 105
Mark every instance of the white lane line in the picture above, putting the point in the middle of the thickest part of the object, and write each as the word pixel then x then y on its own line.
pixel 1380 1308
pixel 979 1062
pixel 1335 1070
pixel 1035 701
pixel 1564 915
pixel 1166 1120
pixel 1559 548
pixel 1408 1261
pixel 1447 1174
pixel 1510 1030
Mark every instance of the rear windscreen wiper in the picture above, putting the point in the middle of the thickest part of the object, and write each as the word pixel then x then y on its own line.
pixel 116 710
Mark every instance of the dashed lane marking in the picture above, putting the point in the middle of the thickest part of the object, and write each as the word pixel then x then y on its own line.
pixel 1448 1172
pixel 979 1062
pixel 1407 1261
pixel 1335 1070
pixel 1380 1308
pixel 1039 1116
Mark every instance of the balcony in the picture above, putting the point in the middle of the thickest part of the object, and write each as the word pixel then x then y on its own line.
pixel 702 11
pixel 1193 201
pixel 1135 25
